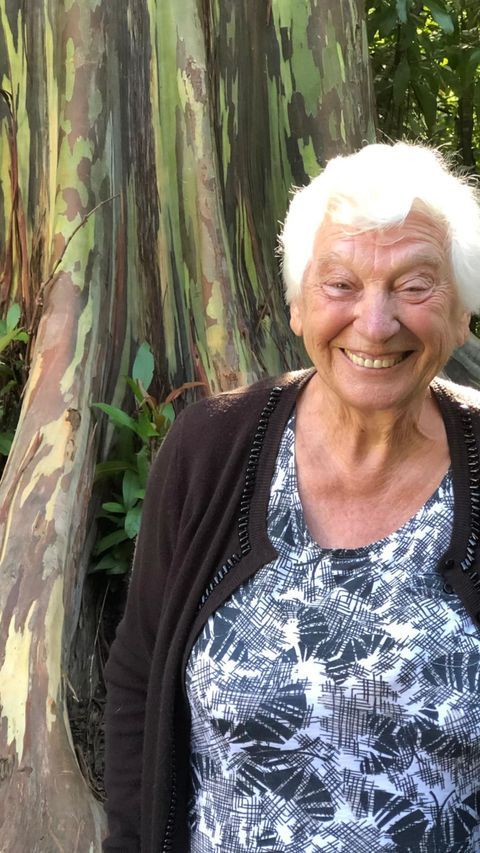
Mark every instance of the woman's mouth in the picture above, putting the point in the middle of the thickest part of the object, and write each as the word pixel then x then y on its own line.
pixel 375 362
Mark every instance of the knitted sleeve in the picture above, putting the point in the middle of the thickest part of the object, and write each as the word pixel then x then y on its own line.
pixel 128 667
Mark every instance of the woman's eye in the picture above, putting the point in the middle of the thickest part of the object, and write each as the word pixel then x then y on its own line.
pixel 416 287
pixel 339 285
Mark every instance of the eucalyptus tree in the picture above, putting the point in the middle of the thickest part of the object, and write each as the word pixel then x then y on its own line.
pixel 147 149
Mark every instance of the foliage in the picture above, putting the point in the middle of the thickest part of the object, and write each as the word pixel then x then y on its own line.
pixel 426 61
pixel 12 376
pixel 138 440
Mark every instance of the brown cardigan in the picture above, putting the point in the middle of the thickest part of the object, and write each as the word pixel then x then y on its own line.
pixel 203 533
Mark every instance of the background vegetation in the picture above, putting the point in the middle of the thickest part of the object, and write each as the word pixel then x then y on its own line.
pixel 425 60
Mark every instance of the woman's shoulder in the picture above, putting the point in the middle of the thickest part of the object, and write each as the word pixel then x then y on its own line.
pixel 212 436
pixel 241 406
pixel 460 396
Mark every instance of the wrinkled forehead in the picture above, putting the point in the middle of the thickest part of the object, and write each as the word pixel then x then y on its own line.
pixel 420 234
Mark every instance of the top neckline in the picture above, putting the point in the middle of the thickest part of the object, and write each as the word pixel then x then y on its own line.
pixel 301 531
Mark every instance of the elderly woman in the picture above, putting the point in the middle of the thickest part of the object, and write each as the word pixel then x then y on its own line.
pixel 298 666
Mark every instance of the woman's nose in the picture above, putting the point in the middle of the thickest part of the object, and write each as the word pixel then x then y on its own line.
pixel 376 317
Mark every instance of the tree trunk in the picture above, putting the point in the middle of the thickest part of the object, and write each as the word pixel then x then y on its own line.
pixel 200 115
pixel 45 804
pixel 465 125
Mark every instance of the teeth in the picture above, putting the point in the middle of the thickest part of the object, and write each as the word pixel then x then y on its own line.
pixel 376 363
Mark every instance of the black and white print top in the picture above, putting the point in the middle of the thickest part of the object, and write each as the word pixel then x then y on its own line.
pixel 335 696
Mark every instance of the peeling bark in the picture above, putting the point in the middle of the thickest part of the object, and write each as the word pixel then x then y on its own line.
pixel 45 804
pixel 200 115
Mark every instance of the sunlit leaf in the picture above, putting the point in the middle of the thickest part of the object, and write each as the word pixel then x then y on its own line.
pixel 117 416
pixel 112 506
pixel 168 413
pixel 13 316
pixel 143 366
pixel 402 10
pixel 440 15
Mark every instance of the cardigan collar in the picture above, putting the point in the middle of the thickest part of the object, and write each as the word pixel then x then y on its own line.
pixel 459 565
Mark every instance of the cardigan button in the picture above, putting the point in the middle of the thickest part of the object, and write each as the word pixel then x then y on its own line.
pixel 448 588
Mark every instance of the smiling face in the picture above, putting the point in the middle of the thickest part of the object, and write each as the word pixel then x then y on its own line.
pixel 378 311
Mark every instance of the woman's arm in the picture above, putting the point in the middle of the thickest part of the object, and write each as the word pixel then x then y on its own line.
pixel 128 667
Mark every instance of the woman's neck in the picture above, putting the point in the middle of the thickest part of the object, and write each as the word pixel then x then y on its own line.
pixel 362 441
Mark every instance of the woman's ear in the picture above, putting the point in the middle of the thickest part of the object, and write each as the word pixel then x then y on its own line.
pixel 296 324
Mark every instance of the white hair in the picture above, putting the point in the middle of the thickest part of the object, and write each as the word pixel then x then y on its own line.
pixel 375 188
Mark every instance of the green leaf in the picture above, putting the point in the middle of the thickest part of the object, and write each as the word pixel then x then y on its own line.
pixel 474 57
pixel 384 21
pixel 143 466
pixel 117 416
pixel 168 412
pixel 427 102
pixel 107 562
pixel 6 439
pixel 108 541
pixel 469 64
pixel 400 81
pixel 143 366
pixel 115 520
pixel 13 316
pixel 22 336
pixel 145 428
pixel 440 15
pixel 8 387
pixel 121 568
pixel 130 486
pixel 109 469
pixel 402 10
pixel 132 521
pixel 111 564
pixel 7 339
pixel 133 384
pixel 112 506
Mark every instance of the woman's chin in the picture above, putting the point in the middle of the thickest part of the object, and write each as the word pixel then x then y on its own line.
pixel 374 390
